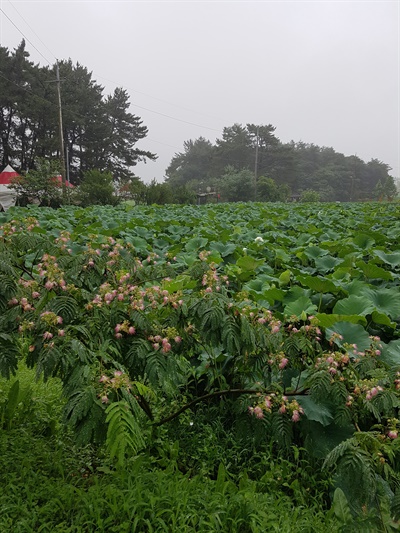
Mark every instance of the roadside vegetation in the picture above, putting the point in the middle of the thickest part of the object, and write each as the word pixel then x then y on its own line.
pixel 243 378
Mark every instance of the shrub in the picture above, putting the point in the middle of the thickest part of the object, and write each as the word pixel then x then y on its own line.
pixel 310 196
pixel 97 189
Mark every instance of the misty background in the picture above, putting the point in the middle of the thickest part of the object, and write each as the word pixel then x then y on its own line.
pixel 320 72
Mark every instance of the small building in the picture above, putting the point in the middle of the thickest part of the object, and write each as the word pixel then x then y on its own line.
pixel 7 195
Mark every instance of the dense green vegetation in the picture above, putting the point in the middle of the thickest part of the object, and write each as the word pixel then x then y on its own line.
pixel 282 169
pixel 50 484
pixel 219 368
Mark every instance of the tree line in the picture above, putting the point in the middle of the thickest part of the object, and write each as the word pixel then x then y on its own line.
pixel 100 134
pixel 251 163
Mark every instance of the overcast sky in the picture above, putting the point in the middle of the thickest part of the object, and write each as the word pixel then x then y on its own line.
pixel 323 72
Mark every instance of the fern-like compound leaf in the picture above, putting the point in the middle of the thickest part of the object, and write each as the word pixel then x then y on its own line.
pixel 124 435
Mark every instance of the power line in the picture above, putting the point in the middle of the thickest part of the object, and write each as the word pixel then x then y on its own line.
pixel 226 159
pixel 78 115
pixel 161 100
pixel 33 31
pixel 45 100
pixel 132 105
pixel 160 142
pixel 174 118
pixel 30 42
pixel 29 91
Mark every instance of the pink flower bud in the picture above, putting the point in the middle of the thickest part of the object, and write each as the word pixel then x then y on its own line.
pixel 258 412
pixel 283 363
pixel 392 434
pixel 296 416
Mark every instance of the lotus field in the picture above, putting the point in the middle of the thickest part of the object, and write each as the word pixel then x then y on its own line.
pixel 280 320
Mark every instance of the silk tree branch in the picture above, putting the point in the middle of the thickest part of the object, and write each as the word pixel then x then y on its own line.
pixel 221 393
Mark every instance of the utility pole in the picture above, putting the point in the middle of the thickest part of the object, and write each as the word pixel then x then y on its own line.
pixel 256 166
pixel 62 158
pixel 4 137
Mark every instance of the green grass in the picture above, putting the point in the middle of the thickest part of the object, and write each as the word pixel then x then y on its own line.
pixel 48 484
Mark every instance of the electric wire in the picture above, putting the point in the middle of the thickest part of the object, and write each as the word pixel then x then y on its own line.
pixel 161 100
pixel 24 36
pixel 174 118
pixel 47 101
pixel 68 110
pixel 32 30
pixel 131 104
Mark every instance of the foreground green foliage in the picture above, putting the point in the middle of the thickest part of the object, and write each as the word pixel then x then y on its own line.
pixel 49 484
pixel 271 333
pixel 64 495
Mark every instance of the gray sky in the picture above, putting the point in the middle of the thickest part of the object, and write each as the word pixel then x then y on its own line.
pixel 321 72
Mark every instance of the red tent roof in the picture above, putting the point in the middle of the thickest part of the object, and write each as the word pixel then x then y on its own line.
pixel 7 174
pixel 59 180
